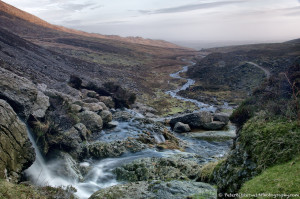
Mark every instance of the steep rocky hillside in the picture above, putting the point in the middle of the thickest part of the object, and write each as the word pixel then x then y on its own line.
pixel 128 61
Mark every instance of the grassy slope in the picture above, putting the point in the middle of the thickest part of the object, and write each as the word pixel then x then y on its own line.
pixel 280 179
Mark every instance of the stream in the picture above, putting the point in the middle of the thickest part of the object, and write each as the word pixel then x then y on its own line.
pixel 100 173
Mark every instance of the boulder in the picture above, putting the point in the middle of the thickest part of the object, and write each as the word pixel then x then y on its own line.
pixel 41 105
pixel 108 101
pixel 112 124
pixel 106 116
pixel 181 127
pixel 214 125
pixel 91 120
pixel 194 120
pixel 174 189
pixel 16 151
pixel 18 91
pixel 221 117
pixel 95 107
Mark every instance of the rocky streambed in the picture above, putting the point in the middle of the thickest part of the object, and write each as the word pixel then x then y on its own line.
pixel 81 140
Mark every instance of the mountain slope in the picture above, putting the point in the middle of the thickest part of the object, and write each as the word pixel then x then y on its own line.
pixel 11 10
pixel 127 61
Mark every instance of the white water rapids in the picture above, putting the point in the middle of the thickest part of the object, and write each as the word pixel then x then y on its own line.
pixel 100 174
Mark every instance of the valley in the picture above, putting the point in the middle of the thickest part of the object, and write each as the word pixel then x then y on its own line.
pixel 90 116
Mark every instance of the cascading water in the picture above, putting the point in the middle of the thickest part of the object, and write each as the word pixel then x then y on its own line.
pixel 100 173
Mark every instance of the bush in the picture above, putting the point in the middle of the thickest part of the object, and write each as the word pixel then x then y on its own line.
pixel 75 82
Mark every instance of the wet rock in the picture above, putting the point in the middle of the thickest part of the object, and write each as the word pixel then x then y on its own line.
pixel 106 116
pixel 112 124
pixel 101 150
pixel 158 190
pixel 181 127
pixel 66 166
pixel 16 151
pixel 91 120
pixel 194 120
pixel 18 91
pixel 214 125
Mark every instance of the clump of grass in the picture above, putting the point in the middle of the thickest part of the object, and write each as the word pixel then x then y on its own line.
pixel 283 178
pixel 270 142
pixel 206 173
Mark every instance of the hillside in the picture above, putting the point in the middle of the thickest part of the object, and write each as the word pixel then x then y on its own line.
pixel 230 74
pixel 127 61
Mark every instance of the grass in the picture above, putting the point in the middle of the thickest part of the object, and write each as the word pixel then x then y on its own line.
pixel 271 142
pixel 12 191
pixel 280 179
pixel 207 171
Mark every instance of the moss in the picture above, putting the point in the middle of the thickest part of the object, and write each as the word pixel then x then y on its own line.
pixel 270 142
pixel 280 179
pixel 206 173
pixel 12 191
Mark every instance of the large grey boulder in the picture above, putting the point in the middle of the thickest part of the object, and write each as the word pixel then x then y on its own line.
pixel 214 125
pixel 91 120
pixel 16 151
pixel 221 117
pixel 194 120
pixel 181 127
pixel 18 91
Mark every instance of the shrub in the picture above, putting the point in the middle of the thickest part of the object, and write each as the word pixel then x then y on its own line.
pixel 75 82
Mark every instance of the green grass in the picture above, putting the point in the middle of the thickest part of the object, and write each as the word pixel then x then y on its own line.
pixel 12 191
pixel 271 142
pixel 280 179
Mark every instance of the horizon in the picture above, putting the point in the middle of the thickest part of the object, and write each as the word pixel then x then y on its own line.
pixel 220 21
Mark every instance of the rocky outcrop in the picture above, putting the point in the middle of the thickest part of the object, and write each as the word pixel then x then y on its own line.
pixel 158 190
pixel 176 167
pixel 41 105
pixel 101 150
pixel 18 91
pixel 202 120
pixel 16 152
pixel 181 127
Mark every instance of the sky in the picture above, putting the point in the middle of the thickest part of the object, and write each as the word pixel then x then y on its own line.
pixel 174 20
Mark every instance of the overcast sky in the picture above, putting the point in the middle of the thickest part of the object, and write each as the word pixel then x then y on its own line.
pixel 259 20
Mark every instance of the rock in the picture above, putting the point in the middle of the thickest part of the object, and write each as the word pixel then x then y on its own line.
pixel 158 190
pixel 75 108
pixel 18 91
pixel 106 116
pixel 194 120
pixel 181 127
pixel 214 125
pixel 66 167
pixel 176 167
pixel 112 124
pixel 95 107
pixel 221 117
pixel 41 105
pixel 92 94
pixel 81 128
pixel 101 150
pixel 91 120
pixel 108 101
pixel 16 151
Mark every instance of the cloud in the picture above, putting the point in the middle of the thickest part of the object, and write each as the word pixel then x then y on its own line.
pixel 77 7
pixel 190 7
